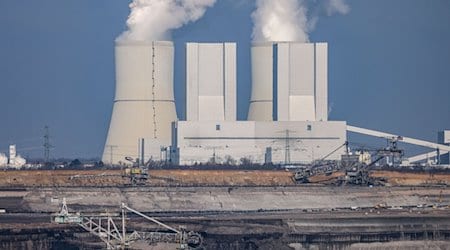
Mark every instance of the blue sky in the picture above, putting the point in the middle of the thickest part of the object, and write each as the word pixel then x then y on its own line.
pixel 389 67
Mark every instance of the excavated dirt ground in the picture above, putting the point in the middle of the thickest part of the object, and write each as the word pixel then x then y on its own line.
pixel 413 179
pixel 52 178
pixel 262 214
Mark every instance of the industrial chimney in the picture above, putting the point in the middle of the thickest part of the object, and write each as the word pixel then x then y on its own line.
pixel 144 106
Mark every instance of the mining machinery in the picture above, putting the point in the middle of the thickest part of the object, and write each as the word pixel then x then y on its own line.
pixel 359 173
pixel 356 172
pixel 114 229
pixel 321 166
pixel 137 173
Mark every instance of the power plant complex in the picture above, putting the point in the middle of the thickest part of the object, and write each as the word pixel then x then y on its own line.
pixel 288 114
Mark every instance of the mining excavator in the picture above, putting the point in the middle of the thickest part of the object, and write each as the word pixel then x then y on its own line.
pixel 136 173
pixel 356 172
pixel 360 173
pixel 321 166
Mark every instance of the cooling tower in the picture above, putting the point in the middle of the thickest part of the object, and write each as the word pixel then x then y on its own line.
pixel 289 82
pixel 144 106
pixel 263 73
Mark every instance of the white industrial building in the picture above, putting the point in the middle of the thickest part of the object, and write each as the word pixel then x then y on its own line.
pixel 289 82
pixel 211 82
pixel 297 132
pixel 287 118
pixel 144 106
pixel 258 141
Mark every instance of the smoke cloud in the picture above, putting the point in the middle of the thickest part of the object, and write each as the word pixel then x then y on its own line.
pixel 291 20
pixel 336 7
pixel 280 20
pixel 155 19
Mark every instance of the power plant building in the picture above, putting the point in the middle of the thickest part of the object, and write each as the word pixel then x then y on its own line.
pixel 287 117
pixel 289 82
pixel 211 82
pixel 258 141
pixel 287 120
pixel 297 132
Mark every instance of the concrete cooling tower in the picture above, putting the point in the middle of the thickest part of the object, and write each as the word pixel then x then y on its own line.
pixel 289 82
pixel 144 106
pixel 263 73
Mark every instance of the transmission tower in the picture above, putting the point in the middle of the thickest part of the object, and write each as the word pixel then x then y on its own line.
pixel 47 145
pixel 287 152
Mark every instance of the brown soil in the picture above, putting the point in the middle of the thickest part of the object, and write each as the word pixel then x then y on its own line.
pixel 226 177
pixel 51 178
pixel 413 179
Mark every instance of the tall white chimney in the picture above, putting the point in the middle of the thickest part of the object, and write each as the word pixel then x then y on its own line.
pixel 12 154
pixel 144 106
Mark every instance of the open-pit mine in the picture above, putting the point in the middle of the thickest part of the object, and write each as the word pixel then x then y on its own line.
pixel 221 209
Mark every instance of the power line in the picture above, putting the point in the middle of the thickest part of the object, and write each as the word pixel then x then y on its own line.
pixel 287 146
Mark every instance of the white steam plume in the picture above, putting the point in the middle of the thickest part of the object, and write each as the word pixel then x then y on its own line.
pixel 336 6
pixel 154 19
pixel 291 20
pixel 280 20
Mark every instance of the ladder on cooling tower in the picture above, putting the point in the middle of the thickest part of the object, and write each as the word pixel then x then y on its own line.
pixel 116 237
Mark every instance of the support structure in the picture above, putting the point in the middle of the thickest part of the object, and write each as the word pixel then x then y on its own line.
pixel 107 229
pixel 436 146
